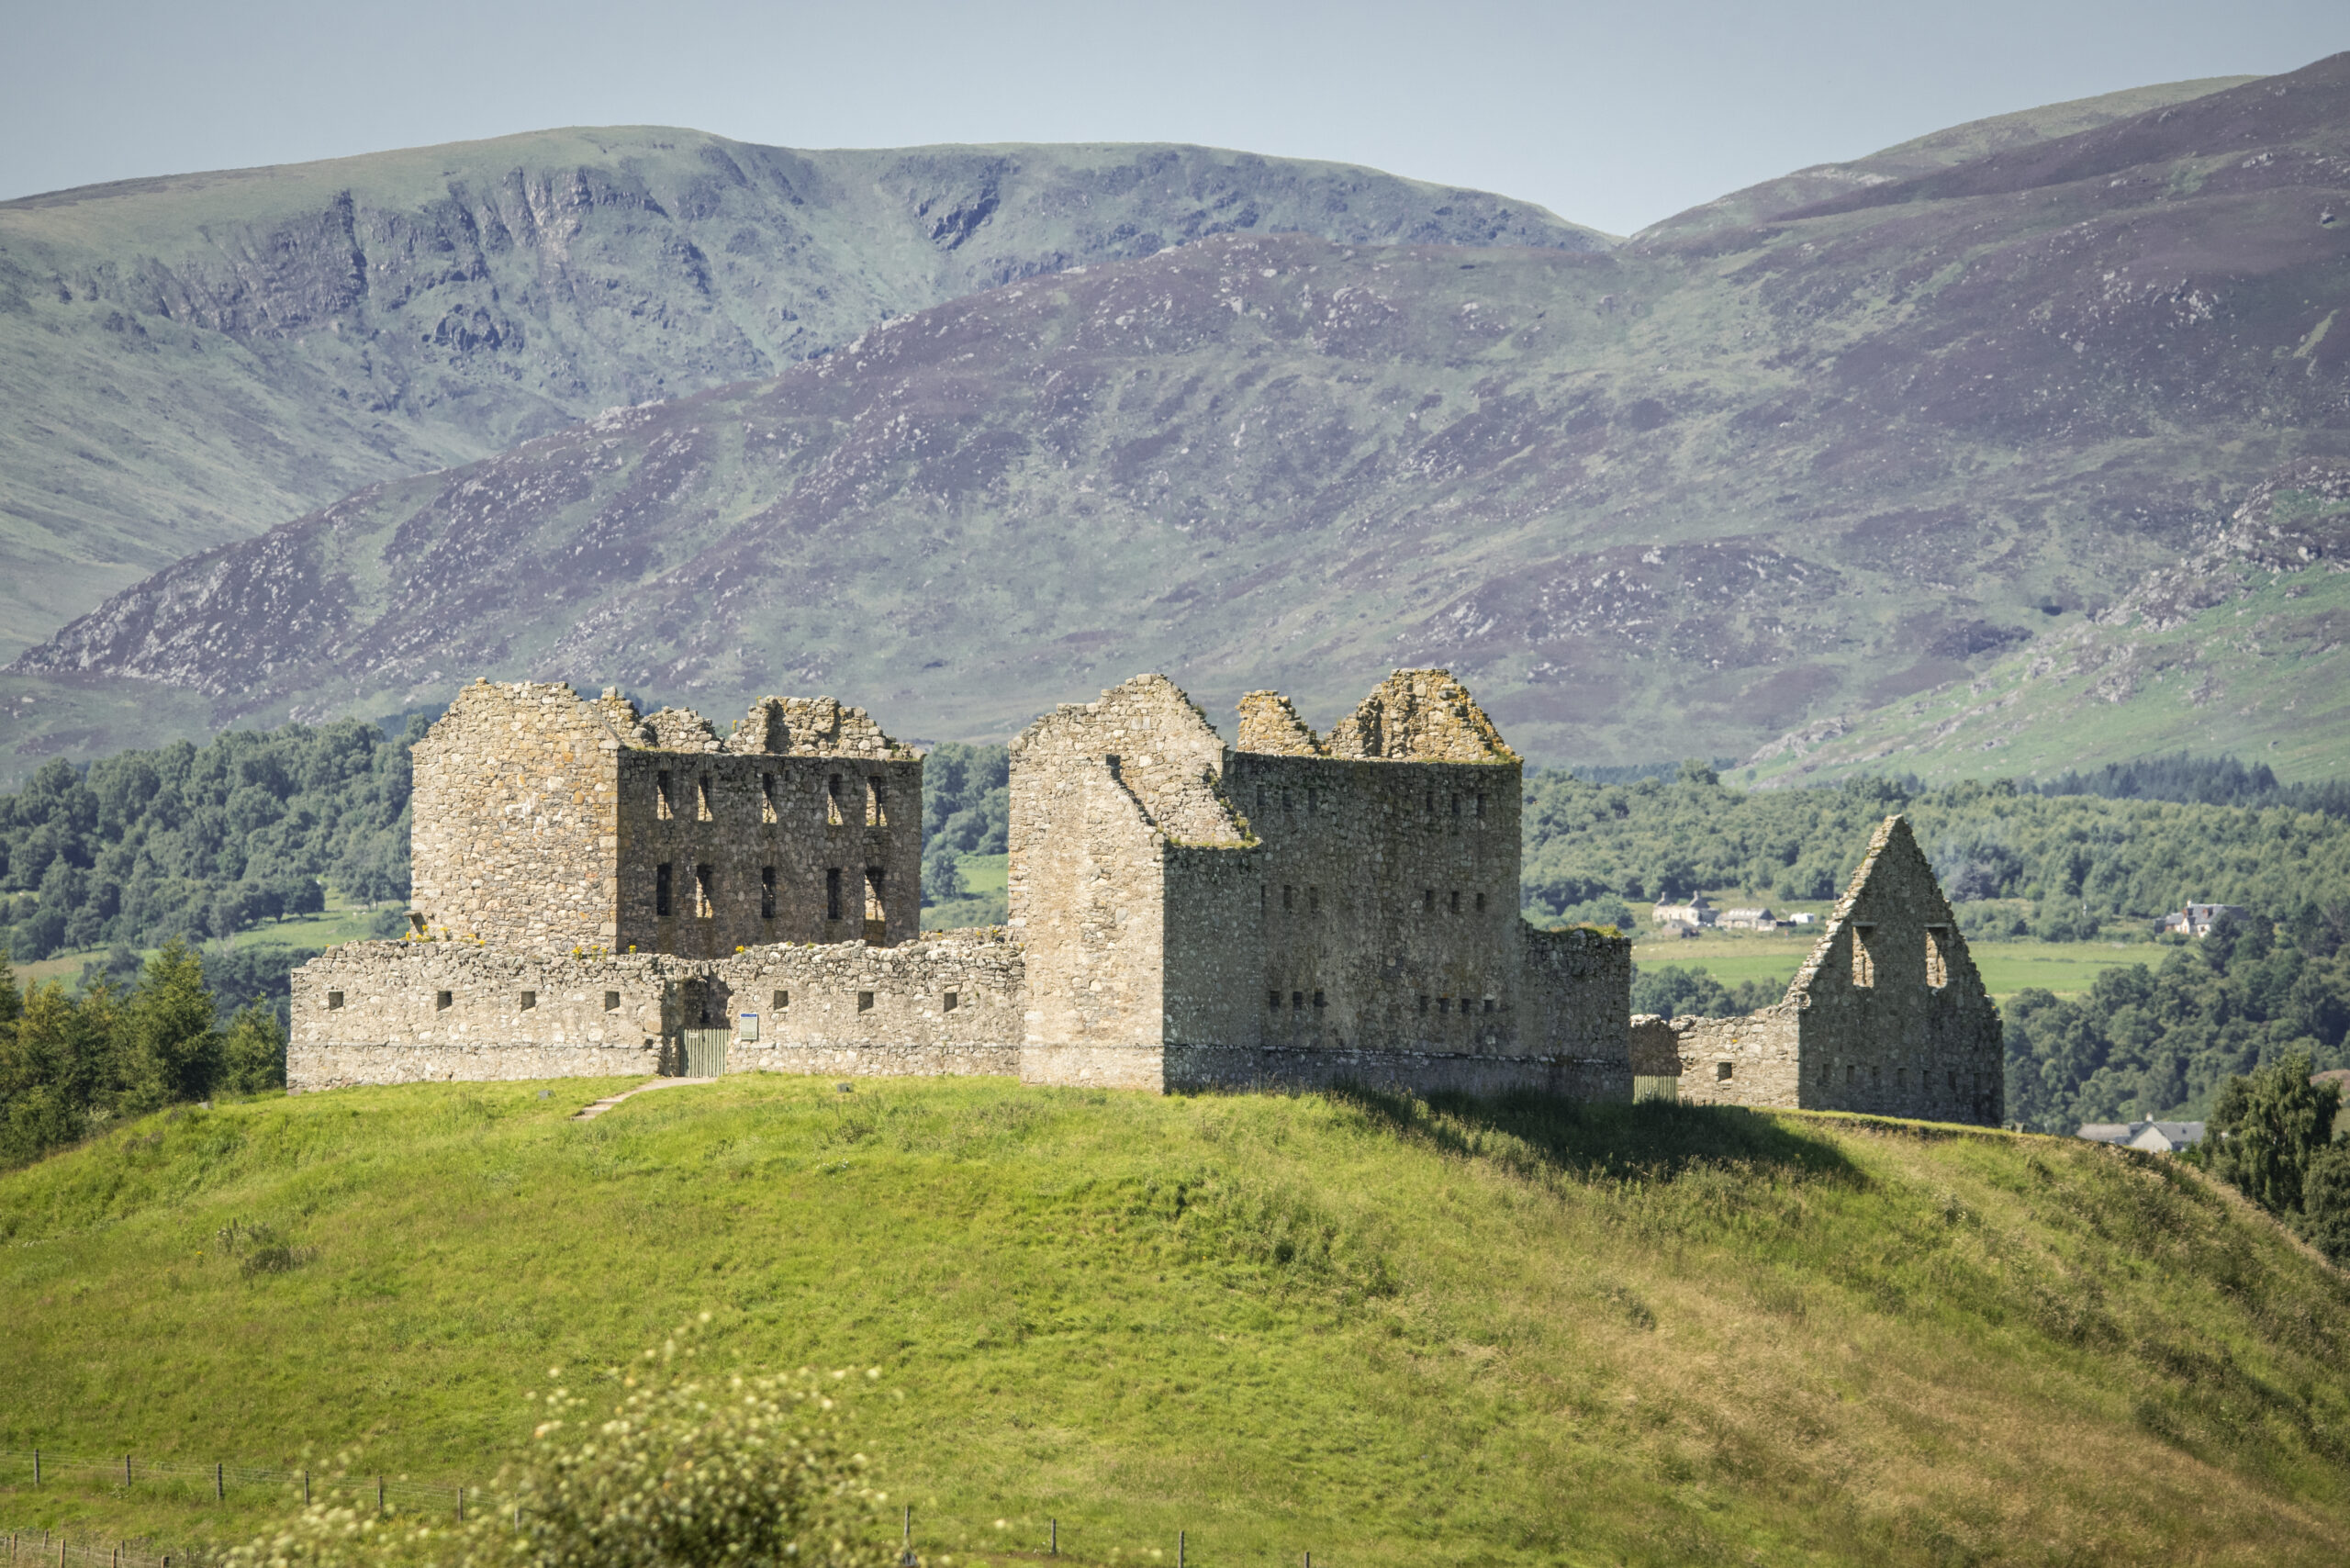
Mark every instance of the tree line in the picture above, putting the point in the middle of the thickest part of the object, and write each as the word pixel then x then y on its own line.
pixel 70 1063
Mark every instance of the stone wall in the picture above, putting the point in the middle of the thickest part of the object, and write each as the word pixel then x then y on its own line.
pixel 1889 1016
pixel 515 818
pixel 1578 989
pixel 406 1011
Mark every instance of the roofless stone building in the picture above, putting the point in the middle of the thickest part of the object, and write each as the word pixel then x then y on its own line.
pixel 602 892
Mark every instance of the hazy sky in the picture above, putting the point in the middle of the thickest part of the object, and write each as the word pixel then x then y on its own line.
pixel 1613 115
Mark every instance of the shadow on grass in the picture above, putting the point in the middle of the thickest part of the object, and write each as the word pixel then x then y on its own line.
pixel 1656 1141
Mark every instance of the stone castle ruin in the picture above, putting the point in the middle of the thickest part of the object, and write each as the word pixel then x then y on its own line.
pixel 1888 1015
pixel 599 892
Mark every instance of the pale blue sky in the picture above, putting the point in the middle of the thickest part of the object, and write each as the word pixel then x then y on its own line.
pixel 1613 115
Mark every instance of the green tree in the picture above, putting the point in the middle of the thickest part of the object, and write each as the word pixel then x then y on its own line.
pixel 2325 1201
pixel 252 1056
pixel 2268 1126
pixel 171 1050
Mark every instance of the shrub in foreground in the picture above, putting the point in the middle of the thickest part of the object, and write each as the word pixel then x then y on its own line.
pixel 657 1469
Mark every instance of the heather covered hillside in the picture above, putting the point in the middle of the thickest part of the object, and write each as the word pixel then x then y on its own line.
pixel 1721 484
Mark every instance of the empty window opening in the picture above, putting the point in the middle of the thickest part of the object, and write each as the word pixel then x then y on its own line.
pixel 334 999
pixel 766 892
pixel 1297 1002
pixel 1423 1002
pixel 1456 901
pixel 864 1001
pixel 1427 901
pixel 528 999
pixel 1428 806
pixel 1722 1071
pixel 1901 1078
pixel 1273 999
pixel 873 906
pixel 701 800
pixel 1480 904
pixel 832 893
pixel 1877 1075
pixel 832 800
pixel 1850 1070
pixel 442 1001
pixel 782 1000
pixel 1953 1081
pixel 1481 808
pixel 877 813
pixel 1938 955
pixel 1313 801
pixel 1289 898
pixel 1456 806
pixel 1318 1000
pixel 705 905
pixel 663 807
pixel 948 1002
pixel 1864 956
pixel 1313 900
pixel 1444 1004
pixel 416 924
pixel 661 891
pixel 1489 1004
pixel 766 799
pixel 612 1002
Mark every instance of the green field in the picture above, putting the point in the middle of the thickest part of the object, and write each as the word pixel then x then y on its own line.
pixel 1521 1332
pixel 2069 968
pixel 340 921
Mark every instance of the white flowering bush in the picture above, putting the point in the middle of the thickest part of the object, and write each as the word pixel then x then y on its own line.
pixel 661 1469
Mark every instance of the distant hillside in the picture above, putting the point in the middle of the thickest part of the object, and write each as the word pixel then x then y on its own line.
pixel 186 361
pixel 1690 494
pixel 1363 1328
pixel 2243 645
pixel 1821 181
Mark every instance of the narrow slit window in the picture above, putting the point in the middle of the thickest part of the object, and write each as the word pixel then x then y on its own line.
pixel 1938 955
pixel 1297 1002
pixel 661 891
pixel 948 1002
pixel 1423 1002
pixel 705 902
pixel 876 916
pixel 1456 901
pixel 1489 1004
pixel 663 807
pixel 1289 897
pixel 1313 801
pixel 832 893
pixel 1456 807
pixel 766 799
pixel 1480 904
pixel 1274 1001
pixel 766 892
pixel 832 804
pixel 1481 808
pixel 1313 900
pixel 1864 956
pixel 876 811
pixel 1318 1000
pixel 1427 901
pixel 1849 1073
pixel 701 800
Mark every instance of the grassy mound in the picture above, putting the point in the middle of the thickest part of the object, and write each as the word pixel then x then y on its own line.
pixel 1379 1330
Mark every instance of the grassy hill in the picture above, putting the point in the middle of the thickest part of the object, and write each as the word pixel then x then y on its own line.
pixel 1520 1332
pixel 186 361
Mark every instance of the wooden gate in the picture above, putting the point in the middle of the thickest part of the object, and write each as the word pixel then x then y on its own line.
pixel 702 1052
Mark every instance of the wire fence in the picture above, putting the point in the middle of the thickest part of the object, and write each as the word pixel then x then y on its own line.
pixel 924 1531
pixel 187 1479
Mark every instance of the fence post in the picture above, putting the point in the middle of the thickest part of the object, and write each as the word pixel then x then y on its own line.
pixel 1057 1537
pixel 1179 1549
pixel 219 1483
pixel 306 1488
pixel 461 1504
pixel 36 1467
pixel 126 1470
pixel 379 1494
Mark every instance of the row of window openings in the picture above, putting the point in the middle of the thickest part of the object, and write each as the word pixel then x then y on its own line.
pixel 1937 956
pixel 528 999
pixel 664 800
pixel 1287 801
pixel 705 891
pixel 1297 1002
pixel 1313 900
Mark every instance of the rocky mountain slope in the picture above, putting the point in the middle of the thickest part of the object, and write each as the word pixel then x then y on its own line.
pixel 1682 496
pixel 185 362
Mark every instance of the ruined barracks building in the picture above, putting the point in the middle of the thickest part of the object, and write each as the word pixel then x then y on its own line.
pixel 599 892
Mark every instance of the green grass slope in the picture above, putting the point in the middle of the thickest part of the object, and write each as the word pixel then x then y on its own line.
pixel 1522 1333
pixel 186 361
